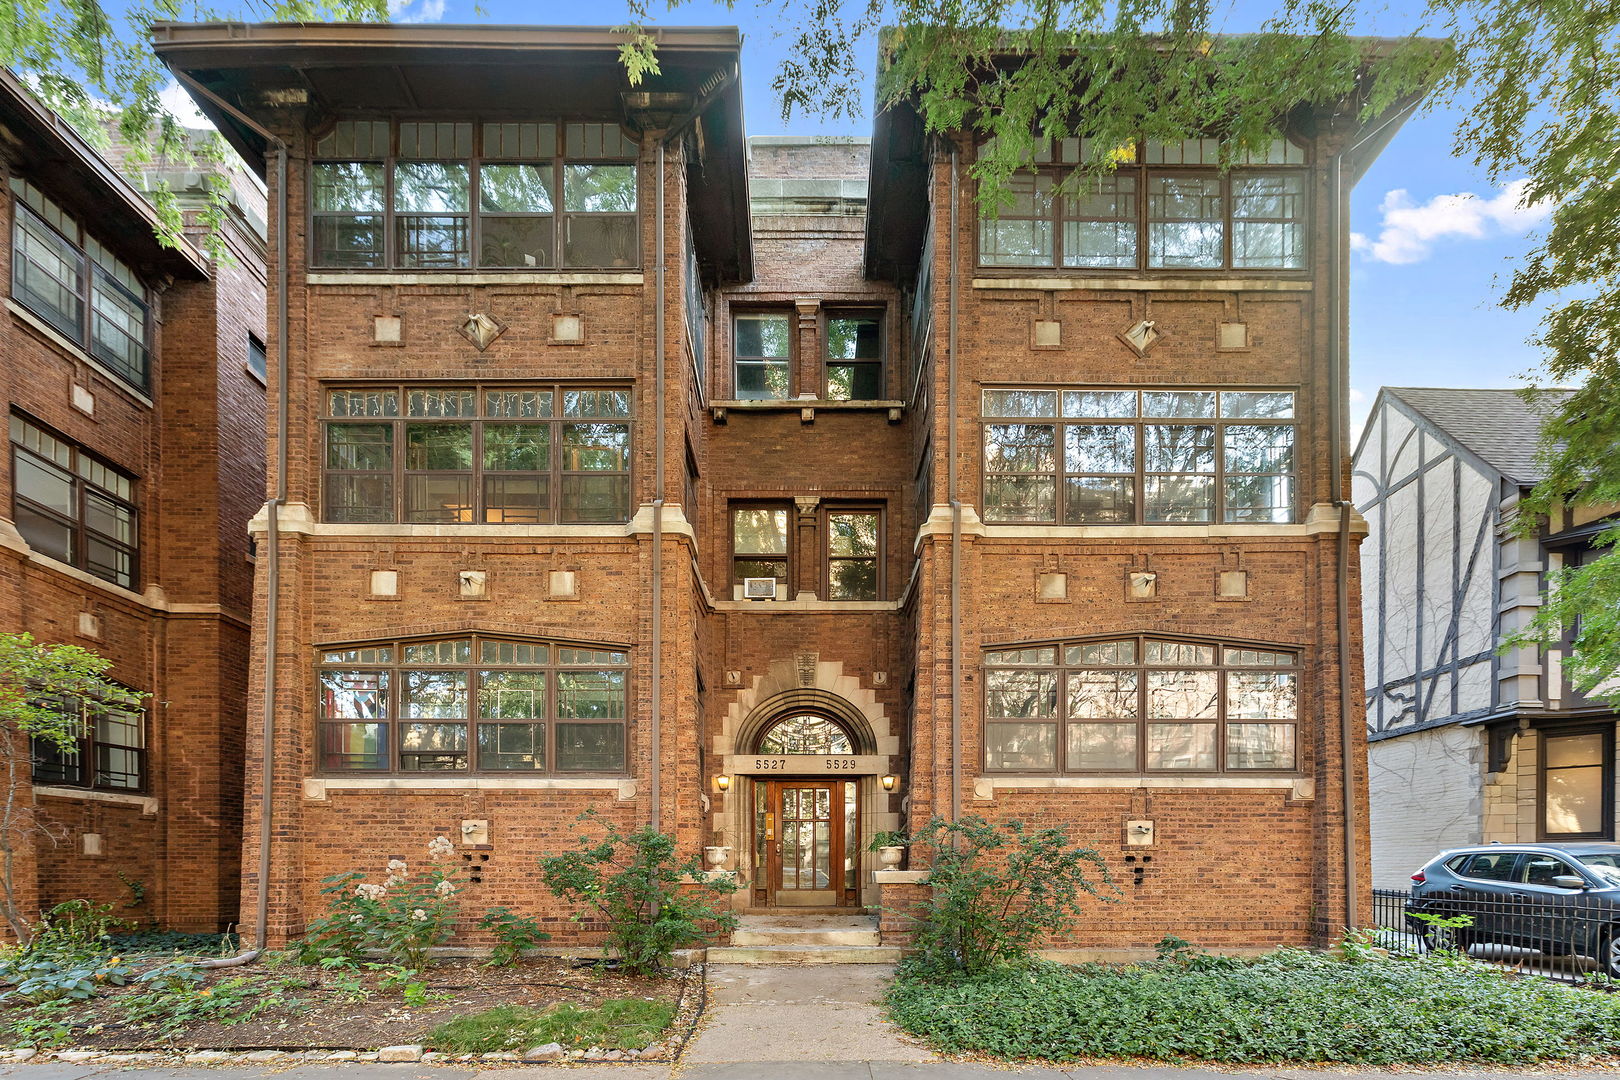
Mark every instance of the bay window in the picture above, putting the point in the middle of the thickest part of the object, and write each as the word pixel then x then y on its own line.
pixel 1164 206
pixel 1140 704
pixel 547 454
pixel 1120 457
pixel 455 195
pixel 473 704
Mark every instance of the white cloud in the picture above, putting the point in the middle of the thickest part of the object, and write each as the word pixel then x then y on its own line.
pixel 1410 230
pixel 416 11
pixel 177 101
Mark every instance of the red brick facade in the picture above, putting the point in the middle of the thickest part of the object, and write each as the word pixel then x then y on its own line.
pixel 1235 860
pixel 163 847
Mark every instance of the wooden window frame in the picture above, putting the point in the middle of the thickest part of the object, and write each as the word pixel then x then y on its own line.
pixel 558 163
pixel 1607 731
pixel 393 723
pixel 1060 718
pixel 1056 215
pixel 738 358
pixel 824 526
pixel 1139 475
pixel 877 315
pixel 83 487
pixel 86 755
pixel 400 422
pixel 91 279
pixel 788 507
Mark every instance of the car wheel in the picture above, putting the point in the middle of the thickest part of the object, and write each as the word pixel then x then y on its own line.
pixel 1437 937
pixel 1609 953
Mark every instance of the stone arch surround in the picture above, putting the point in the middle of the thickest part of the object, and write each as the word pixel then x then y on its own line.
pixel 801 683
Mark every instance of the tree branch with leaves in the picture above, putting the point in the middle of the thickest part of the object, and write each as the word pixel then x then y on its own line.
pixel 49 695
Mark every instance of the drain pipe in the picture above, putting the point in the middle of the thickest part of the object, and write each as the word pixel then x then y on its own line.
pixel 1338 374
pixel 956 507
pixel 272 554
pixel 657 718
pixel 1338 383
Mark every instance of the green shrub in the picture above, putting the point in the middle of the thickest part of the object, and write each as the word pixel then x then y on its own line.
pixel 513 933
pixel 617 1024
pixel 654 901
pixel 997 890
pixel 402 918
pixel 1289 1006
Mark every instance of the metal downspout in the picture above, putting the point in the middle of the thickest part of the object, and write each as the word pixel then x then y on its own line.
pixel 1339 375
pixel 657 718
pixel 956 510
pixel 272 553
pixel 1338 382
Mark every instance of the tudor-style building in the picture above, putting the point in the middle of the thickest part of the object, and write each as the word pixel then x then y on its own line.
pixel 765 493
pixel 132 382
pixel 1468 744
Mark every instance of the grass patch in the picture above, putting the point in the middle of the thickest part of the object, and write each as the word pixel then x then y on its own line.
pixel 1289 1006
pixel 617 1024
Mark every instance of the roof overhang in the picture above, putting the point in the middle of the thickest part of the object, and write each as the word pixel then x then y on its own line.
pixel 69 170
pixel 254 74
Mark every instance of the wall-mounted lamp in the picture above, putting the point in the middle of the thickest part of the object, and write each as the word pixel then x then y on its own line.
pixel 889 781
pixel 723 782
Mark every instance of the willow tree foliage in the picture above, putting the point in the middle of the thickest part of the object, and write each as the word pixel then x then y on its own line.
pixel 93 64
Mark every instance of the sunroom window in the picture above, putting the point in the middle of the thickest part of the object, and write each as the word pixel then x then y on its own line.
pixel 473 704
pixel 1141 704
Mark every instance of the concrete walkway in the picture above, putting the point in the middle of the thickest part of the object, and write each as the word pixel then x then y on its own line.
pixel 799 1013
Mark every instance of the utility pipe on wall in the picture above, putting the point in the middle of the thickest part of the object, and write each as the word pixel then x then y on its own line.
pixel 956 507
pixel 655 723
pixel 261 920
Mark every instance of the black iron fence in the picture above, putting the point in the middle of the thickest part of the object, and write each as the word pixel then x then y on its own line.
pixel 1563 934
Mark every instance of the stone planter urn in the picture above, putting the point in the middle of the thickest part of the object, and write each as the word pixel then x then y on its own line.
pixel 716 856
pixel 889 857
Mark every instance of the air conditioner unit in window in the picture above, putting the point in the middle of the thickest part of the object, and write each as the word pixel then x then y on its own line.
pixel 759 588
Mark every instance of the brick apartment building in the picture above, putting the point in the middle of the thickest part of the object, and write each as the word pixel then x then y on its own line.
pixel 765 493
pixel 134 393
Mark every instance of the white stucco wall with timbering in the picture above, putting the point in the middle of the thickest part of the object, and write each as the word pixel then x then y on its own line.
pixel 1426 796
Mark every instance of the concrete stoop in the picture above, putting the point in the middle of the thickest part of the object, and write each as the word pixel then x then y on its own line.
pixel 804 939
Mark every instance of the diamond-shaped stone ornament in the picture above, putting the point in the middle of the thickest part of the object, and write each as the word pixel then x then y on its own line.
pixel 481 329
pixel 1141 337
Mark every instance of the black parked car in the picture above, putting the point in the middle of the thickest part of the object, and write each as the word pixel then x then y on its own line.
pixel 1560 899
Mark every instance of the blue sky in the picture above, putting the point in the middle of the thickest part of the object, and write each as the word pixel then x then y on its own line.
pixel 1437 241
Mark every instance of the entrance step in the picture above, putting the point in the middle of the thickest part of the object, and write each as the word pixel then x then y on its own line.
pixel 805 954
pixel 765 931
pixel 780 938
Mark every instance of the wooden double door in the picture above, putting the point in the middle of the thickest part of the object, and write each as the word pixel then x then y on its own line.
pixel 806 843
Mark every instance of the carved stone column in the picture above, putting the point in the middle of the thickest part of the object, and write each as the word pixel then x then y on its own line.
pixel 808 554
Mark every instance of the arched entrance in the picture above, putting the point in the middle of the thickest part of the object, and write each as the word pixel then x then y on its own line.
pixel 807 827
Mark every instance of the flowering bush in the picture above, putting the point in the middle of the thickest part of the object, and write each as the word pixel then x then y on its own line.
pixel 402 917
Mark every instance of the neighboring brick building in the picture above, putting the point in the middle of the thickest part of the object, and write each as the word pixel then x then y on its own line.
pixel 1469 745
pixel 135 416
pixel 687 521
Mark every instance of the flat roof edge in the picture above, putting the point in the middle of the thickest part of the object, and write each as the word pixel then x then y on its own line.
pixel 177 36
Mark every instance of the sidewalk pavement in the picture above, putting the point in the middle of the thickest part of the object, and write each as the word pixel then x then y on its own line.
pixel 812 1022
